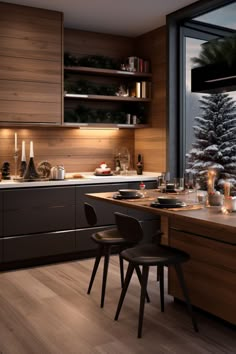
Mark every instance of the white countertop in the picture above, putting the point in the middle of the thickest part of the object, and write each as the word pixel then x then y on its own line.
pixel 89 178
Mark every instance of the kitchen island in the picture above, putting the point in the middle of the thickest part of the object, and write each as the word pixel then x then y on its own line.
pixel 209 236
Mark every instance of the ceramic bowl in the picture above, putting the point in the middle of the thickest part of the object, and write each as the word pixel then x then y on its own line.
pixel 128 192
pixel 168 200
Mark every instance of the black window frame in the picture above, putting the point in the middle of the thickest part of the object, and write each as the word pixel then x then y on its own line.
pixel 178 24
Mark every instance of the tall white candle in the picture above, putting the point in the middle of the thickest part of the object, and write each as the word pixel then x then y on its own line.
pixel 15 141
pixel 23 157
pixel 31 149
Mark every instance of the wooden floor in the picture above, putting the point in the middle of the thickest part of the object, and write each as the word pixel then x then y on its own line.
pixel 46 310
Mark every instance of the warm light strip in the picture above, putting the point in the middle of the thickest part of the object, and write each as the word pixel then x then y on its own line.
pixel 98 128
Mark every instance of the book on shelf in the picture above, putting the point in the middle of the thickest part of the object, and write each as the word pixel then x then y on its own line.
pixel 137 64
pixel 146 87
pixel 138 89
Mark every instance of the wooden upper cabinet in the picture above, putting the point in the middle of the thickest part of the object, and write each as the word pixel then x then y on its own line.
pixel 30 65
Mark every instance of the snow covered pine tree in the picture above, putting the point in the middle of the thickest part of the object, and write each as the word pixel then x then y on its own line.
pixel 215 144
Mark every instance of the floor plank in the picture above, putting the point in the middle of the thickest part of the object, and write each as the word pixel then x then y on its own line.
pixel 45 310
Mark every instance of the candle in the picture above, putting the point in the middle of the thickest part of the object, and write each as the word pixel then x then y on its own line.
pixel 31 149
pixel 227 189
pixel 15 141
pixel 211 181
pixel 23 158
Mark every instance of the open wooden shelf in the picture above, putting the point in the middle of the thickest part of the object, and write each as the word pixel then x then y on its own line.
pixel 106 98
pixel 108 72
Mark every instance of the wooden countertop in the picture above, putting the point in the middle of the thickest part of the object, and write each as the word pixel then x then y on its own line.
pixel 220 226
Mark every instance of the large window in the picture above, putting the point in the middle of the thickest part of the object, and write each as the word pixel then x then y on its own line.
pixel 189 29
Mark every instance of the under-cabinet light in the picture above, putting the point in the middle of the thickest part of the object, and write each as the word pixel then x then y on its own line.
pixel 99 128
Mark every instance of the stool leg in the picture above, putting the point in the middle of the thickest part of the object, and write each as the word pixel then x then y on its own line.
pixel 158 274
pixel 161 280
pixel 107 250
pixel 139 274
pixel 95 268
pixel 121 270
pixel 180 276
pixel 128 276
pixel 142 298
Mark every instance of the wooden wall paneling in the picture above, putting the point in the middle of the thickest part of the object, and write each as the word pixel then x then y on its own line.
pixel 79 150
pixel 151 143
pixel 30 56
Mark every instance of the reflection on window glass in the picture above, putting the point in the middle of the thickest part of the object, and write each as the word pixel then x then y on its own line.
pixel 192 104
pixel 224 17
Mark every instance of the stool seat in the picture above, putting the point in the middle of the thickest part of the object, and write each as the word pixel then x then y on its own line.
pixel 109 236
pixel 151 254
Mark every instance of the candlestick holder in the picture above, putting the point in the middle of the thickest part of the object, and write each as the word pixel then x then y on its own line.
pixel 16 156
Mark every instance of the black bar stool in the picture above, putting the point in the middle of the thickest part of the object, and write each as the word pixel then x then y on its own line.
pixel 106 239
pixel 147 255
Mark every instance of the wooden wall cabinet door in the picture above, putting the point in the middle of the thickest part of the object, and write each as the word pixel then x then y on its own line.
pixel 30 65
pixel 38 210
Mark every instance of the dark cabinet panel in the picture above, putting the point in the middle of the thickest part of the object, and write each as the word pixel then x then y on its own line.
pixel 36 210
pixel 1 214
pixel 38 245
pixel 104 210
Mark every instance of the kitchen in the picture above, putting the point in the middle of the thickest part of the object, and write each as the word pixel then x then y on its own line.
pixel 82 150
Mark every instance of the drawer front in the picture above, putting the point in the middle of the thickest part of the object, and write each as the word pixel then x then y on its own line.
pixel 38 245
pixel 36 210
pixel 216 232
pixel 205 250
pixel 105 211
pixel 83 238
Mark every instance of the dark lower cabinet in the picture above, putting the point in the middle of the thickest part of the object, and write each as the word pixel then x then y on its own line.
pixel 39 245
pixel 37 210
pixel 50 221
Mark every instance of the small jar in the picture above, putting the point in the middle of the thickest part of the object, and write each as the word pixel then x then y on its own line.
pixel 215 199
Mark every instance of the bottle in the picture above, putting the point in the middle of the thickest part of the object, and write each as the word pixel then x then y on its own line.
pixel 139 166
pixel 31 172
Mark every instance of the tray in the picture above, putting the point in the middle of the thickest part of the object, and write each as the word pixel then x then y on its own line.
pixel 104 174
pixel 119 196
pixel 164 206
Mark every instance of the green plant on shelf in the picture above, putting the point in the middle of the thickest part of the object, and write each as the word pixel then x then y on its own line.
pixel 90 88
pixel 93 61
pixel 86 115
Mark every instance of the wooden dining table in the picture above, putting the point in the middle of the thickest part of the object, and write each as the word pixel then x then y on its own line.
pixel 208 235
